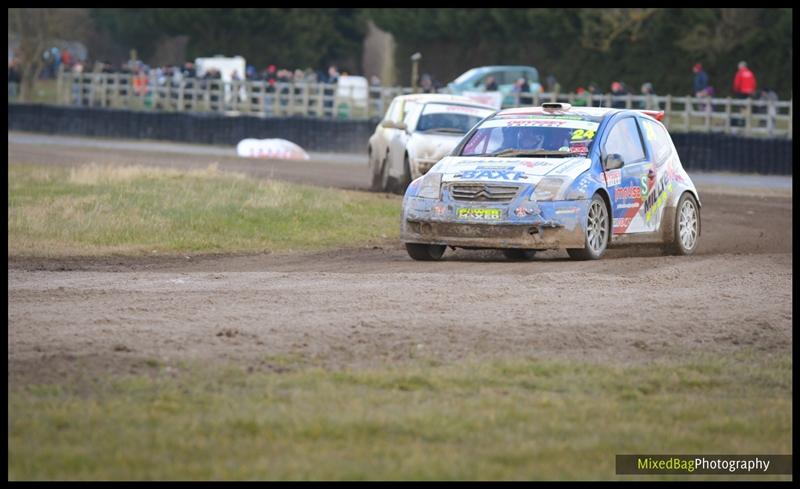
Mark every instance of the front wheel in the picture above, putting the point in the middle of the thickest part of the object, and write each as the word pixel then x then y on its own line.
pixel 596 232
pixel 686 227
pixel 425 252
pixel 405 181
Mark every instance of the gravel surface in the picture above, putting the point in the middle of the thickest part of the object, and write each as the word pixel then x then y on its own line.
pixel 362 307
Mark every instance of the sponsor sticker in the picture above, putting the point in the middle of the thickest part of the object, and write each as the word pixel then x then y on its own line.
pixel 628 192
pixel 613 177
pixel 567 210
pixel 479 174
pixel 439 210
pixel 621 224
pixel 479 214
pixel 523 211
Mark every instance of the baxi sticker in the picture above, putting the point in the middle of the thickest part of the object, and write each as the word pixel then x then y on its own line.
pixel 492 175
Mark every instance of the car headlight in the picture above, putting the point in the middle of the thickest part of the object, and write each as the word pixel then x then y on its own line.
pixel 549 188
pixel 431 186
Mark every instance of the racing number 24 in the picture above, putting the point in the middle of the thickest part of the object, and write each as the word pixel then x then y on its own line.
pixel 581 134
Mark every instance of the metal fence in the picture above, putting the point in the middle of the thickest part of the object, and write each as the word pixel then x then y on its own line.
pixel 766 118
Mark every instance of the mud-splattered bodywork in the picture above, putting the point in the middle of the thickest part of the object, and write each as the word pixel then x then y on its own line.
pixel 486 202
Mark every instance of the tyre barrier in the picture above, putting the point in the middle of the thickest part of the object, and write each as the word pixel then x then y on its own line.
pixel 698 151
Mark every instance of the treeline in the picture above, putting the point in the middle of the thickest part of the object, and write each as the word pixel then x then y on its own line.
pixel 577 46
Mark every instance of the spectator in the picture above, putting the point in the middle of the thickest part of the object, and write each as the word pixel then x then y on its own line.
pixel 581 97
pixel 700 80
pixel 552 84
pixel 521 86
pixel 490 84
pixel 188 70
pixel 140 83
pixel 426 84
pixel 648 91
pixel 333 74
pixel 744 83
pixel 310 76
pixel 270 74
pixel 66 59
pixel 618 90
pixel 769 97
pixel 595 95
pixel 374 81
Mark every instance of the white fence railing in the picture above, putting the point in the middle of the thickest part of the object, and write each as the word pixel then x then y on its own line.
pixel 769 118
pixel 235 97
pixel 752 117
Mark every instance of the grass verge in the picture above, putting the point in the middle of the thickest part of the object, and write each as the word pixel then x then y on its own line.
pixel 521 419
pixel 94 210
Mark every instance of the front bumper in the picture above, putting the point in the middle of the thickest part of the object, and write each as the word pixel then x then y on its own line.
pixel 521 224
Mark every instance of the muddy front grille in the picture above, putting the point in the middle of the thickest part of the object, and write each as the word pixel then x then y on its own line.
pixel 483 192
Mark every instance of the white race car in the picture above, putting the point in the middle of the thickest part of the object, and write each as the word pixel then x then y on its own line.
pixel 416 132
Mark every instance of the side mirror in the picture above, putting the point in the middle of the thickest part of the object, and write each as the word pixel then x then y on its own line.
pixel 613 161
pixel 387 124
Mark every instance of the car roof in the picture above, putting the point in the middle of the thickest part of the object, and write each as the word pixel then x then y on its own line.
pixel 424 98
pixel 504 67
pixel 596 113
pixel 592 111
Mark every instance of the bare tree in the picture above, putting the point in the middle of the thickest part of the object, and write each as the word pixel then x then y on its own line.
pixel 601 27
pixel 37 29
pixel 728 31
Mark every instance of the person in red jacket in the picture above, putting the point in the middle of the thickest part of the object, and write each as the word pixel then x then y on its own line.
pixel 744 83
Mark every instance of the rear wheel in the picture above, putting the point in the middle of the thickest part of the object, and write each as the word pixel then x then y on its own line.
pixel 385 179
pixel 687 226
pixel 425 252
pixel 375 169
pixel 596 233
pixel 519 254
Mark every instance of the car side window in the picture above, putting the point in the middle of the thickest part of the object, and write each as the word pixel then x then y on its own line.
pixel 624 139
pixel 659 140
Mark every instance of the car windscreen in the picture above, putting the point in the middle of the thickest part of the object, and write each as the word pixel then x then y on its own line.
pixel 456 119
pixel 545 135
pixel 464 77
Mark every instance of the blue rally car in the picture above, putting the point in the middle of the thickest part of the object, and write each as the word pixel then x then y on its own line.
pixel 555 177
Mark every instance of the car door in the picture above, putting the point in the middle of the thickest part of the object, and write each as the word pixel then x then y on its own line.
pixel 629 185
pixel 662 155
pixel 397 145
pixel 386 131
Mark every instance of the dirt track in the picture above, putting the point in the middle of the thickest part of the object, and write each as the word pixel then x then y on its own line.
pixel 360 307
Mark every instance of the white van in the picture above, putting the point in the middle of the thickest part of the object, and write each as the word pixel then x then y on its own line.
pixel 352 96
pixel 226 67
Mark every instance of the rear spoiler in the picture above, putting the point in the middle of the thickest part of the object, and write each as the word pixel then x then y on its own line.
pixel 655 114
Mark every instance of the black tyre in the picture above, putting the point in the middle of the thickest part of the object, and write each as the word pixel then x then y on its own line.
pixel 686 227
pixel 425 252
pixel 386 180
pixel 405 180
pixel 596 234
pixel 517 254
pixel 375 168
